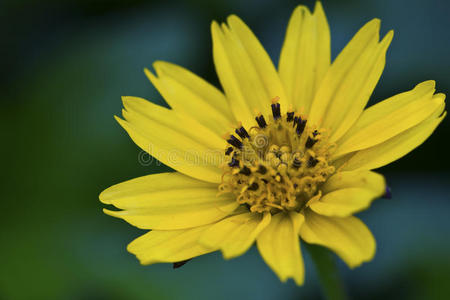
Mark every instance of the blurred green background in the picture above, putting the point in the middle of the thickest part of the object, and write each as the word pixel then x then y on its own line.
pixel 64 66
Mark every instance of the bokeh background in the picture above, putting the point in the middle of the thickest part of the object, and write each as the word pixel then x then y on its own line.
pixel 64 66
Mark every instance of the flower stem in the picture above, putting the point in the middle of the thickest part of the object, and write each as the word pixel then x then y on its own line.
pixel 332 285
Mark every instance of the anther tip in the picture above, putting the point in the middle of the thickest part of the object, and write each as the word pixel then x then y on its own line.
pixel 275 99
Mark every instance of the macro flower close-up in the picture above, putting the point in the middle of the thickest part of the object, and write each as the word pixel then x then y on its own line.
pixel 279 156
pixel 226 149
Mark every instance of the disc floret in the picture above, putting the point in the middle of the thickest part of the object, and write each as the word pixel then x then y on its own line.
pixel 278 165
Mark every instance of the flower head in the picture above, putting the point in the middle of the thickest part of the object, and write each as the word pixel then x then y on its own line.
pixel 299 160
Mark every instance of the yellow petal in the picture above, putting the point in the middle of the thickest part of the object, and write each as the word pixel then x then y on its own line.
pixel 144 191
pixel 187 93
pixel 348 237
pixel 346 193
pixel 235 235
pixel 141 112
pixel 390 117
pixel 177 141
pixel 305 56
pixel 167 201
pixel 350 80
pixel 396 147
pixel 245 70
pixel 168 246
pixel 279 246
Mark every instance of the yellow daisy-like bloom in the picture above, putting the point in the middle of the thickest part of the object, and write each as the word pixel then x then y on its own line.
pixel 298 163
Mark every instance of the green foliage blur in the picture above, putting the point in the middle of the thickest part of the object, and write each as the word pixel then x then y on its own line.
pixel 64 66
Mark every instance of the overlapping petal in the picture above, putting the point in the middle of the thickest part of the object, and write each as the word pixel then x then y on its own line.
pixel 176 140
pixel 348 237
pixel 350 80
pixel 305 56
pixel 245 70
pixel 279 246
pixel 346 193
pixel 183 210
pixel 397 146
pixel 390 117
pixel 236 234
pixel 189 94
pixel 167 201
pixel 168 246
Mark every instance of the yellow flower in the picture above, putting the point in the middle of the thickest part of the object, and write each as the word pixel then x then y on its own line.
pixel 298 164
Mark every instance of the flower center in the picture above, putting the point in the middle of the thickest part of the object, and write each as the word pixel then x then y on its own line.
pixel 277 165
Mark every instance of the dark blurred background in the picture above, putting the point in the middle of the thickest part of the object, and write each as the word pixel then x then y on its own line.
pixel 64 66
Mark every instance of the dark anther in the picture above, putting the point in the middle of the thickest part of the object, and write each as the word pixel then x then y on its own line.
pixel 297 163
pixel 315 133
pixel 310 142
pixel 295 185
pixel 235 142
pixel 229 150
pixel 262 170
pixel 296 120
pixel 178 264
pixel 234 162
pixel 261 121
pixel 264 180
pixel 290 116
pixel 276 111
pixel 387 193
pixel 312 162
pixel 245 171
pixel 253 187
pixel 300 126
pixel 239 181
pixel 242 132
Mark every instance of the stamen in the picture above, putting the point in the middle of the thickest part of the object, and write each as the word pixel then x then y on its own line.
pixel 310 142
pixel 261 121
pixel 229 150
pixel 301 124
pixel 262 169
pixel 242 132
pixel 276 112
pixel 290 116
pixel 234 162
pixel 312 162
pixel 282 166
pixel 245 171
pixel 296 119
pixel 253 187
pixel 234 142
